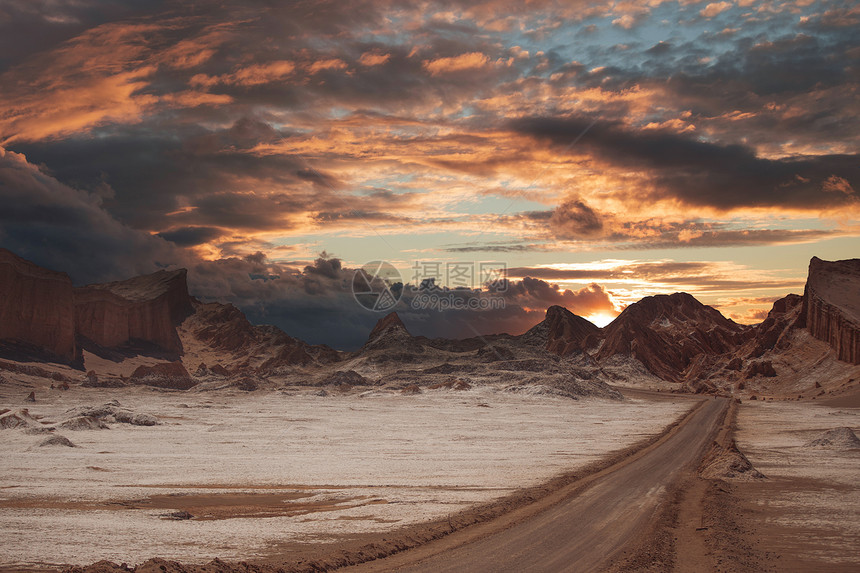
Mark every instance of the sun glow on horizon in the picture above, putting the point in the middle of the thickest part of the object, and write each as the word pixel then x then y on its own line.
pixel 600 319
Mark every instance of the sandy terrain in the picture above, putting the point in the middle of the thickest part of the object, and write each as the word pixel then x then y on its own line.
pixel 588 524
pixel 256 470
pixel 808 510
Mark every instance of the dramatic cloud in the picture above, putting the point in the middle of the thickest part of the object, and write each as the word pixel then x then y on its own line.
pixel 65 229
pixel 702 174
pixel 316 303
pixel 573 219
pixel 232 136
pixel 532 292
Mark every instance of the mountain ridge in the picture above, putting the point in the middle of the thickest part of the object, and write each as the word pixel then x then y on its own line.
pixel 673 337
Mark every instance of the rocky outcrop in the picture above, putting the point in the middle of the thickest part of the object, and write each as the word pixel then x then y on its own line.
pixel 842 438
pixel 727 463
pixel 390 334
pixel 388 329
pixel 36 307
pixel 347 377
pixel 562 332
pixel 40 311
pixel 32 370
pixel 172 375
pixel 667 332
pixel 831 306
pixel 760 368
pixel 143 309
pixel 773 331
pixel 225 329
pixel 17 419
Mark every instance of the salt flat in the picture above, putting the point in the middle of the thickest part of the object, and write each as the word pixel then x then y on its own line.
pixel 260 469
pixel 809 507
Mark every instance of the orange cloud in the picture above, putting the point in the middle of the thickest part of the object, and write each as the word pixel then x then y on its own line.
pixel 193 98
pixel 373 59
pixel 469 61
pixel 836 184
pixel 626 21
pixel 329 64
pixel 715 8
pixel 95 78
pixel 196 50
pixel 77 108
pixel 253 75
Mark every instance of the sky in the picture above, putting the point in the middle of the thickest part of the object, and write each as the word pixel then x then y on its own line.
pixel 515 155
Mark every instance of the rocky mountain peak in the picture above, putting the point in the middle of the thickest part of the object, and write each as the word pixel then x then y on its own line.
pixel 388 324
pixel 563 332
pixel 666 332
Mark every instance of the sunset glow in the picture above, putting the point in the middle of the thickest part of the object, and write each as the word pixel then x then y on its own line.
pixel 601 319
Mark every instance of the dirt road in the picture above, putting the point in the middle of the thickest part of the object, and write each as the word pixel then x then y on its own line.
pixel 584 531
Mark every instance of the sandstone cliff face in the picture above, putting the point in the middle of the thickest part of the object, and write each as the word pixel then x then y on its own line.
pixel 831 306
pixel 36 307
pixel 146 308
pixel 668 332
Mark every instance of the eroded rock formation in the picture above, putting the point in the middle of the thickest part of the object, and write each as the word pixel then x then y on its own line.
pixel 831 306
pixel 171 375
pixel 36 307
pixel 390 335
pixel 146 308
pixel 224 328
pixel 563 332
pixel 667 332
pixel 772 332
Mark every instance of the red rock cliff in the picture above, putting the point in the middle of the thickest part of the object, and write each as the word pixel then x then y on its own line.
pixel 831 305
pixel 36 306
pixel 146 308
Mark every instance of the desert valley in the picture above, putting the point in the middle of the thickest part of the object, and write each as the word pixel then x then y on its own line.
pixel 146 430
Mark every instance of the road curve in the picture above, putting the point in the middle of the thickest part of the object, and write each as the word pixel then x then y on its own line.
pixel 585 531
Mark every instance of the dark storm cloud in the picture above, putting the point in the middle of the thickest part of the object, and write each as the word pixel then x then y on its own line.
pixel 191 236
pixel 531 292
pixel 65 229
pixel 315 303
pixel 787 65
pixel 189 177
pixel 703 174
pixel 573 219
